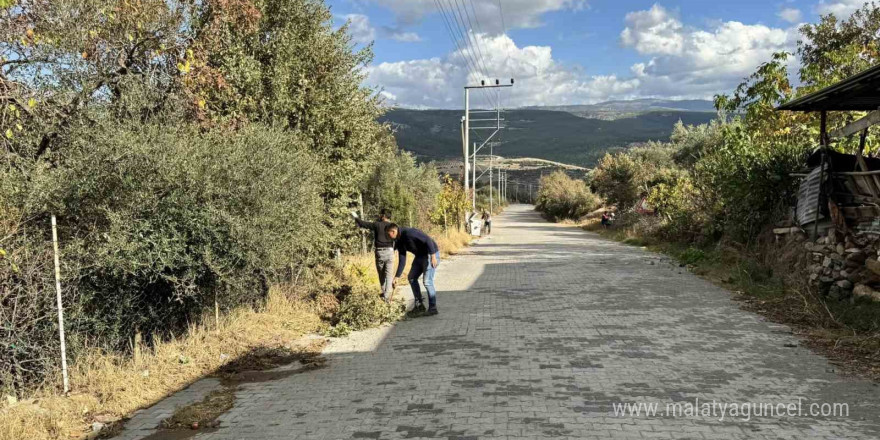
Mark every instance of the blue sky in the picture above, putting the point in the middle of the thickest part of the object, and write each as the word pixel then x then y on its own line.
pixel 573 51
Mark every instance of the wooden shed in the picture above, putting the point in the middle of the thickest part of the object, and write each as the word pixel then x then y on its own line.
pixel 841 190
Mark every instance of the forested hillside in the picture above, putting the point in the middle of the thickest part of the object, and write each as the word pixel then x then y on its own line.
pixel 546 134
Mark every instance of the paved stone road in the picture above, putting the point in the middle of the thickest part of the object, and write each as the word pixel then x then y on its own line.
pixel 543 329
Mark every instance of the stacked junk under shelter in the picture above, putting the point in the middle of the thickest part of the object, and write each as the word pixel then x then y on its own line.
pixel 838 205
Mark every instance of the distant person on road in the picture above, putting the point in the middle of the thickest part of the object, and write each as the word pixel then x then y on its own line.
pixel 384 249
pixel 606 220
pixel 487 220
pixel 424 265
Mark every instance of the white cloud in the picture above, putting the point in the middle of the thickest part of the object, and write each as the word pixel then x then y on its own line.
pixel 406 37
pixel 540 80
pixel 698 62
pixel 484 14
pixel 654 31
pixel 680 62
pixel 840 8
pixel 363 32
pixel 791 15
pixel 360 29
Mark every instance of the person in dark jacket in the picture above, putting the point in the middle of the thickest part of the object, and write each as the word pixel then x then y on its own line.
pixel 384 250
pixel 426 259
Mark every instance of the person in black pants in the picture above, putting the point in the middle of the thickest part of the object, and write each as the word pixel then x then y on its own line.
pixel 384 249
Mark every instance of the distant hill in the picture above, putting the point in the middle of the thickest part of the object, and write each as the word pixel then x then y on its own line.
pixel 556 135
pixel 612 110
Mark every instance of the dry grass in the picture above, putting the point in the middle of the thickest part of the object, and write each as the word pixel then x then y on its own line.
pixel 452 241
pixel 107 386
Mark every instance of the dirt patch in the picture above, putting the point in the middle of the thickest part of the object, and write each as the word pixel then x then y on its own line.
pixel 261 364
pixel 203 414
pixel 273 363
pixel 177 434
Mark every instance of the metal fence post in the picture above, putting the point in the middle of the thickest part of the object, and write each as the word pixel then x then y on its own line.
pixel 60 306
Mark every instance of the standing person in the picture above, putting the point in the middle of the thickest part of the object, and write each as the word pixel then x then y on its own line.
pixel 384 249
pixel 487 220
pixel 606 220
pixel 427 258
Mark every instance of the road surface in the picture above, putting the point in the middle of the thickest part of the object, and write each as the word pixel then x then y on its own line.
pixel 543 331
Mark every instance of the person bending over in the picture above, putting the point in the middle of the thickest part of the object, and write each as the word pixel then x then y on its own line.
pixel 426 259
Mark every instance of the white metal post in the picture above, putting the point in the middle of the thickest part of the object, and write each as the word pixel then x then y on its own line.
pixel 60 306
pixel 466 141
pixel 491 188
pixel 499 188
pixel 474 180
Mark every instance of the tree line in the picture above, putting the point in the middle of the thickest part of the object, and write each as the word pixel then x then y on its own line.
pixel 732 178
pixel 194 152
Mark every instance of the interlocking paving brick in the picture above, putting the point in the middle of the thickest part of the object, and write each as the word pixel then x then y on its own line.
pixel 542 328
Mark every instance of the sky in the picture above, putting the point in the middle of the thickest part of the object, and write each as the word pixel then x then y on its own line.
pixel 567 52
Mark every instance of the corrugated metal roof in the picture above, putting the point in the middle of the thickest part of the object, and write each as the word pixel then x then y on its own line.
pixel 860 92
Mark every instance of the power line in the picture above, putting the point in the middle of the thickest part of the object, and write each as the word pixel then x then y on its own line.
pixel 476 43
pixel 469 64
pixel 464 44
pixel 467 43
pixel 506 102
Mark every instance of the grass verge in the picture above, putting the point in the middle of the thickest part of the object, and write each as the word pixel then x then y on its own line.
pixel 107 387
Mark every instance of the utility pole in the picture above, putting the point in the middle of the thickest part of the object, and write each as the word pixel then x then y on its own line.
pixel 500 194
pixel 501 184
pixel 474 180
pixel 491 187
pixel 466 128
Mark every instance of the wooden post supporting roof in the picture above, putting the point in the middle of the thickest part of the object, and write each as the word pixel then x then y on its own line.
pixel 823 146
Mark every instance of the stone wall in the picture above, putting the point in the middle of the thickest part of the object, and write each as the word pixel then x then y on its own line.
pixel 845 266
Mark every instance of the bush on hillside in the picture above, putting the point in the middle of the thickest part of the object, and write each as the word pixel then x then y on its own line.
pixel 561 197
pixel 498 203
pixel 155 223
pixel 191 151
pixel 404 186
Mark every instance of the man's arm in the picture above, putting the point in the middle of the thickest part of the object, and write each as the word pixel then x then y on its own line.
pixel 401 262
pixel 363 223
pixel 432 246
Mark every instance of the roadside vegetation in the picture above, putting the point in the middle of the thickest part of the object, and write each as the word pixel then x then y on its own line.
pixel 202 177
pixel 561 197
pixel 719 189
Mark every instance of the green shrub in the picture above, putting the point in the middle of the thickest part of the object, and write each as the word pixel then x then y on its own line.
pixel 363 309
pixel 155 224
pixel 746 180
pixel 562 197
pixel 405 187
pixel 497 202
pixel 691 256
